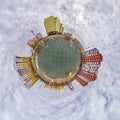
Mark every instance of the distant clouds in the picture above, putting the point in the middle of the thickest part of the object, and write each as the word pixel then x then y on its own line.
pixel 97 24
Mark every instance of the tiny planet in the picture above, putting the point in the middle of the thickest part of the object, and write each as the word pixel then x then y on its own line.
pixel 57 59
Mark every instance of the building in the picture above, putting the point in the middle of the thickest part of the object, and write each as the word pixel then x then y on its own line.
pixel 57 59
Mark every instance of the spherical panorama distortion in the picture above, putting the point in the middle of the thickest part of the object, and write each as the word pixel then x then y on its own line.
pixel 57 59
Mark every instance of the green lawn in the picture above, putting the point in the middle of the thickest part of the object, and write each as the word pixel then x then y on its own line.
pixel 59 58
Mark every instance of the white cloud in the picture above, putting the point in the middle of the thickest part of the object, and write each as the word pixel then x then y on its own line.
pixel 97 24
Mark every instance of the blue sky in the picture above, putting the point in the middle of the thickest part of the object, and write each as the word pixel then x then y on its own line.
pixel 96 23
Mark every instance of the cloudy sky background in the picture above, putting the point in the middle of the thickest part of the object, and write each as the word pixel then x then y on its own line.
pixel 97 24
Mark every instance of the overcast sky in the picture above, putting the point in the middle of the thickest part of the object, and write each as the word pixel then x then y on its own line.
pixel 96 23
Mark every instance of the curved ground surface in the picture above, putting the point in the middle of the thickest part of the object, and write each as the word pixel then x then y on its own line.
pixel 97 24
pixel 58 58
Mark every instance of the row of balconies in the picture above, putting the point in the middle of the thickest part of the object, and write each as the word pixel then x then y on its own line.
pixel 91 62
pixel 24 68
